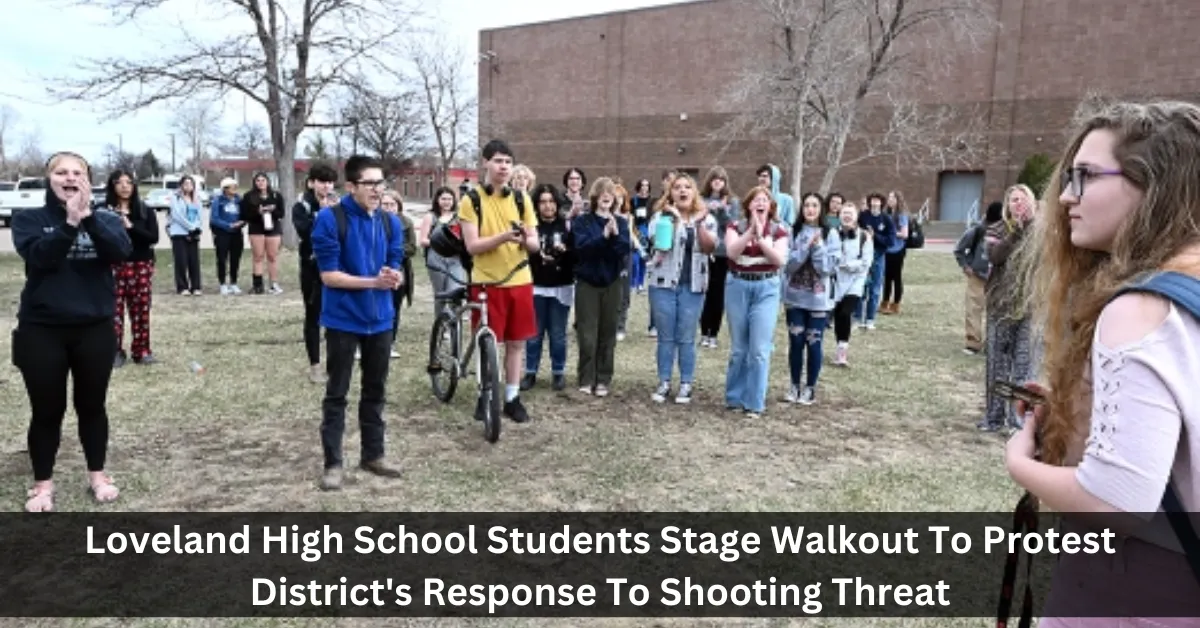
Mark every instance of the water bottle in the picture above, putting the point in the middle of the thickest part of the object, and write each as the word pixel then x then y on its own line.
pixel 196 367
pixel 664 233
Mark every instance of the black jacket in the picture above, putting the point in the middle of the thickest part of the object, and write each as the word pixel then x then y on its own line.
pixel 143 233
pixel 68 270
pixel 252 204
pixel 559 270
pixel 304 214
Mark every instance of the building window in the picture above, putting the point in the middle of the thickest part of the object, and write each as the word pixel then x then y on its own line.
pixel 430 187
pixel 405 184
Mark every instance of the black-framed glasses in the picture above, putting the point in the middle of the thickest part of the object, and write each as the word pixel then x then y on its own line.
pixel 1073 178
pixel 377 184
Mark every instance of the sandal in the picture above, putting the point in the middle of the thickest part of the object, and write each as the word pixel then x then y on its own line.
pixel 104 491
pixel 41 498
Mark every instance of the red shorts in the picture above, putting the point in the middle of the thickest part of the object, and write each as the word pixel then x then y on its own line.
pixel 510 312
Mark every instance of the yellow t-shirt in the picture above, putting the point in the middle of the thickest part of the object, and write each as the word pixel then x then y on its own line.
pixel 498 215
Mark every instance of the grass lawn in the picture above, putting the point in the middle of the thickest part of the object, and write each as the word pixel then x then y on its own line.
pixel 894 432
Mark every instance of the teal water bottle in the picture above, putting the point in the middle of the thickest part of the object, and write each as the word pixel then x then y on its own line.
pixel 664 233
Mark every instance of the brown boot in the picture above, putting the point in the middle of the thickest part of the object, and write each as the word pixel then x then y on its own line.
pixel 896 308
pixel 885 307
pixel 380 468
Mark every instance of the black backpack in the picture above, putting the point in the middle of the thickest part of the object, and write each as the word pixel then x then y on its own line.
pixel 916 234
pixel 339 214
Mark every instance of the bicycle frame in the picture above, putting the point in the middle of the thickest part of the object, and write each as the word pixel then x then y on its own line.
pixel 468 354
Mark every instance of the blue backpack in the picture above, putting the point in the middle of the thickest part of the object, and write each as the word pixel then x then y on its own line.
pixel 1184 291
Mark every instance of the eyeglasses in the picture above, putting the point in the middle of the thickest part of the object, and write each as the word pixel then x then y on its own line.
pixel 377 184
pixel 1074 178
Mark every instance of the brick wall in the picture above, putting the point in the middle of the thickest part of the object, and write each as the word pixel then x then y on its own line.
pixel 608 93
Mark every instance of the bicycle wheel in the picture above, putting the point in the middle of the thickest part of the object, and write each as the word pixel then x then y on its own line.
pixel 443 356
pixel 490 389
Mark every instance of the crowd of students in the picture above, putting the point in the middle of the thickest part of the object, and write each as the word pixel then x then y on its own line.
pixel 1096 288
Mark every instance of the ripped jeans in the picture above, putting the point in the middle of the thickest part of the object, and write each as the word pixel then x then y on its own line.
pixel 806 330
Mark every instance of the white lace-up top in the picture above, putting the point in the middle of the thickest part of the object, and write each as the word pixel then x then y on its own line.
pixel 1145 420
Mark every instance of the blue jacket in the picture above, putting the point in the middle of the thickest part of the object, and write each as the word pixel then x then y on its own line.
pixel 599 260
pixel 367 251
pixel 787 204
pixel 224 212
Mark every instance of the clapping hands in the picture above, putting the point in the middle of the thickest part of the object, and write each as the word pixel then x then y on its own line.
pixel 389 279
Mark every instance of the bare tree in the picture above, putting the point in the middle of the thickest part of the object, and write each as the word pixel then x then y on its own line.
pixel 442 85
pixel 198 121
pixel 251 138
pixel 830 60
pixel 285 54
pixel 31 160
pixel 116 158
pixel 390 125
pixel 317 148
pixel 8 123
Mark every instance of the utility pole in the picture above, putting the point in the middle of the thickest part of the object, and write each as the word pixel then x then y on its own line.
pixel 120 144
pixel 172 153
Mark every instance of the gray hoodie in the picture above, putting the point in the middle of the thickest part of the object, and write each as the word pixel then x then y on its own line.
pixel 810 271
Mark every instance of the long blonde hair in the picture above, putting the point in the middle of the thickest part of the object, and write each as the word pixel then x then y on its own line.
pixel 1158 150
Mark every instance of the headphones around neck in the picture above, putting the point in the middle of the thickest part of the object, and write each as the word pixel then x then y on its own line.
pixel 504 191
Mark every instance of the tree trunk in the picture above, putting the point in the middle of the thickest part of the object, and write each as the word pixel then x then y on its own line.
pixel 799 136
pixel 285 163
pixel 837 148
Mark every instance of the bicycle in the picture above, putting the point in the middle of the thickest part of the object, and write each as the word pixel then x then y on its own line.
pixel 451 363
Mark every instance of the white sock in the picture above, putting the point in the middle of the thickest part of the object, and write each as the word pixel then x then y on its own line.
pixel 511 391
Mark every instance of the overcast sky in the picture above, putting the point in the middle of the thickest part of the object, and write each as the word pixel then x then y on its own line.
pixel 51 36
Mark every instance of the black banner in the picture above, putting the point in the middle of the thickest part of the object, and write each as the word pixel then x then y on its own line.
pixel 566 565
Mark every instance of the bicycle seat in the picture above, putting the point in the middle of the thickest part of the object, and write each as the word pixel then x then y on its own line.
pixel 457 293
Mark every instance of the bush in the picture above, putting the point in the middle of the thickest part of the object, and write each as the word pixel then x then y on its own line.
pixel 1036 173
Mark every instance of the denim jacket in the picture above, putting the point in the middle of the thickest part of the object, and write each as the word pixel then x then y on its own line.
pixel 665 269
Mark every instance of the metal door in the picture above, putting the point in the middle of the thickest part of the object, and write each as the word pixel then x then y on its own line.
pixel 959 195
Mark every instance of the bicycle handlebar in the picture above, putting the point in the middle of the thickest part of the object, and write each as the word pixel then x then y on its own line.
pixel 484 284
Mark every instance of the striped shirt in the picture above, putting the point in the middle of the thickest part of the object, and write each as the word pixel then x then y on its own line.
pixel 752 259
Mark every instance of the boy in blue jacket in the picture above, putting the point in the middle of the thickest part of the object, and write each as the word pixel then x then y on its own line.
pixel 358 274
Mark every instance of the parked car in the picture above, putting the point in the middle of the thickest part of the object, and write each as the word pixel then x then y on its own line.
pixel 159 199
pixel 29 193
pixel 98 194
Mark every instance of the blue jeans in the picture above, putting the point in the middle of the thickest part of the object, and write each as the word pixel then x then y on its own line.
pixel 752 309
pixel 806 331
pixel 552 318
pixel 870 300
pixel 676 314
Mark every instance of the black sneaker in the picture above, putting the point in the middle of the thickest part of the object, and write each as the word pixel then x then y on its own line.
pixel 560 382
pixel 515 410
pixel 529 381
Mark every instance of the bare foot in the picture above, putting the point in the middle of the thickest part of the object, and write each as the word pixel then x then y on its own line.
pixel 41 497
pixel 102 487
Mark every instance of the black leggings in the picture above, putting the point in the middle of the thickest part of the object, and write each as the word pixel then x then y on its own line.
pixel 310 288
pixel 893 276
pixel 842 315
pixel 45 356
pixel 187 263
pixel 714 298
pixel 229 247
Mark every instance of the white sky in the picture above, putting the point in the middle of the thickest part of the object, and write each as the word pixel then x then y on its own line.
pixel 50 36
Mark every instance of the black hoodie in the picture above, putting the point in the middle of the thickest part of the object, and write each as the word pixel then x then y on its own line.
pixel 68 270
pixel 143 233
pixel 304 214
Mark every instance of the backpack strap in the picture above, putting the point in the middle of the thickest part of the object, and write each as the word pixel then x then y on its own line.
pixel 1184 291
pixel 339 214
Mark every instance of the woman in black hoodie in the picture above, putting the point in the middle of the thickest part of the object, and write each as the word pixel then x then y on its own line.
pixel 65 321
pixel 134 276
pixel 263 211
pixel 553 288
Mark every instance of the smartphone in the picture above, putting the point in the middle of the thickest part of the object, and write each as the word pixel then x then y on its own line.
pixel 1012 392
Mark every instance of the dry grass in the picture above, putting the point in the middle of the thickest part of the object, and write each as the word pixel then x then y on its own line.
pixel 895 432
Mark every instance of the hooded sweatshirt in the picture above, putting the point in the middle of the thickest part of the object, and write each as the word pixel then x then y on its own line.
pixel 367 250
pixel 787 204
pixel 304 214
pixel 143 233
pixel 68 270
pixel 252 205
pixel 224 212
pixel 810 271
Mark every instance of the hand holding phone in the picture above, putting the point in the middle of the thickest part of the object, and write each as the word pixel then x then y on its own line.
pixel 1015 392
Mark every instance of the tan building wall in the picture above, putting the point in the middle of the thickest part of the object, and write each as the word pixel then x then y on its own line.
pixel 605 93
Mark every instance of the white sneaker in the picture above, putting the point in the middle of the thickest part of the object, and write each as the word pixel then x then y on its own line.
pixel 653 333
pixel 870 325
pixel 395 354
pixel 620 336
pixel 234 289
pixel 224 290
pixel 808 396
pixel 793 395
pixel 685 394
pixel 660 393
pixel 275 289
